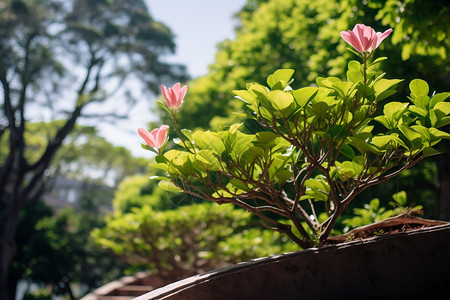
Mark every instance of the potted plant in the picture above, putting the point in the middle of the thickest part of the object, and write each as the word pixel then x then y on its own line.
pixel 315 150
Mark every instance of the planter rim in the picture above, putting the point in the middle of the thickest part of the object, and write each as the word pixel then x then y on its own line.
pixel 180 285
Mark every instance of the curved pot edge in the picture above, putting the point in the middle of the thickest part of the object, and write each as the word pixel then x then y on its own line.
pixel 178 286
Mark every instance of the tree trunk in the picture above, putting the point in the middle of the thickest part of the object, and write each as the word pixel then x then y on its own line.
pixel 8 247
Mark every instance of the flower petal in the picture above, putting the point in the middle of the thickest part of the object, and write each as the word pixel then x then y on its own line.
pixel 161 135
pixel 183 92
pixel 148 138
pixel 382 36
pixel 166 96
pixel 176 88
pixel 366 36
pixel 363 38
pixel 350 37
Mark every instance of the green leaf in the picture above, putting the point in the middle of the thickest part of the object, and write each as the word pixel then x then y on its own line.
pixel 378 60
pixel 439 134
pixel 208 140
pixel 283 76
pixel 147 147
pixel 343 88
pixel 240 142
pixel 169 186
pixel 187 133
pixel 363 146
pixel 438 98
pixel 234 128
pixel 181 163
pixel 161 166
pixel 283 175
pixel 381 141
pixel 394 110
pixel 417 111
pixel 316 189
pixel 442 122
pixel 338 132
pixel 345 170
pixel 304 95
pixel 355 66
pixel 320 108
pixel 443 107
pixel 385 121
pixel 280 100
pixel 206 160
pixel 347 150
pixel 385 94
pixel 266 140
pixel 400 198
pixel 258 89
pixel 419 87
pixel 366 91
pixel 382 85
pixel 164 106
pixel 327 82
pixel 412 135
pixel 246 96
pixel 428 151
pixel 257 151
pixel 354 76
pixel 423 131
pixel 170 155
pixel 239 184
pixel 421 101
pixel 359 164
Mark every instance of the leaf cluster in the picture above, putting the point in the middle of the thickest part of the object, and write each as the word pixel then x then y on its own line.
pixel 322 144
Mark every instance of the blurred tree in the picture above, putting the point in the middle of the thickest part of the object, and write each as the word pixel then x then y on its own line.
pixel 64 238
pixel 86 156
pixel 43 236
pixel 64 60
pixel 83 156
pixel 183 240
pixel 304 35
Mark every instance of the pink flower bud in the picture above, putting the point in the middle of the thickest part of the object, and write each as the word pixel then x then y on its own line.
pixel 174 95
pixel 363 38
pixel 156 138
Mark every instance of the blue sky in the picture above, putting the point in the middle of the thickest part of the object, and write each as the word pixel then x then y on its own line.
pixel 198 26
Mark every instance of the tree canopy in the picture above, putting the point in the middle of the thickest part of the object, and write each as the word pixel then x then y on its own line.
pixel 304 35
pixel 65 60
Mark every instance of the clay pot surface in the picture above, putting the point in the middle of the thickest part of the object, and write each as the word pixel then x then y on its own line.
pixel 406 265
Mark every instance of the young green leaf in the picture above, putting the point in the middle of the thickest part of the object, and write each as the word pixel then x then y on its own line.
pixel 280 100
pixel 419 87
pixel 304 95
pixel 282 77
pixel 169 186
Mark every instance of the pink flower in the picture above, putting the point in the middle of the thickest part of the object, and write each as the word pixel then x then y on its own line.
pixel 174 96
pixel 363 38
pixel 156 138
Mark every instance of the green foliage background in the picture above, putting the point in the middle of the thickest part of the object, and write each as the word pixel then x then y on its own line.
pixel 149 232
pixel 304 35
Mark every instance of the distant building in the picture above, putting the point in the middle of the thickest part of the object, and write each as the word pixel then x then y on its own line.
pixel 63 192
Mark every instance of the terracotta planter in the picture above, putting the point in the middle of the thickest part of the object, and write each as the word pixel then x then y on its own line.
pixel 407 265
